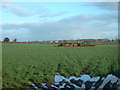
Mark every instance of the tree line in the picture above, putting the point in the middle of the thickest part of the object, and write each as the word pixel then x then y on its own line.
pixel 90 41
pixel 6 39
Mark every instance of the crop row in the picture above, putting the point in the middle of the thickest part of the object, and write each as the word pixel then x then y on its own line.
pixel 39 62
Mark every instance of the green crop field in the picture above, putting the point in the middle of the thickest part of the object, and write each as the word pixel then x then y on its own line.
pixel 39 62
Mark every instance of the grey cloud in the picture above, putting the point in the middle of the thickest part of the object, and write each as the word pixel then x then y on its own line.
pixel 82 26
pixel 111 6
pixel 42 12
pixel 16 10
pixel 102 18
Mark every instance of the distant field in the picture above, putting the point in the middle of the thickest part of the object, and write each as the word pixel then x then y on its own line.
pixel 40 62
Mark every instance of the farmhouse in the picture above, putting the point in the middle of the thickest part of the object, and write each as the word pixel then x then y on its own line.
pixel 54 42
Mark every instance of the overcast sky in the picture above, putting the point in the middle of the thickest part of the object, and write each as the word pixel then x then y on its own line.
pixel 29 21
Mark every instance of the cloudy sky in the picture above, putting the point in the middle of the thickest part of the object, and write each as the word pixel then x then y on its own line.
pixel 28 21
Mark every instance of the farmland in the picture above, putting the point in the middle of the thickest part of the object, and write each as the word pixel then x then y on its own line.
pixel 39 62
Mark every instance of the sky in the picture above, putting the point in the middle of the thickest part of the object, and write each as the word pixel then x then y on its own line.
pixel 38 21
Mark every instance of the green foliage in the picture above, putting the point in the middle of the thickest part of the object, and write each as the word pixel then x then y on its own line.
pixel 6 39
pixel 15 40
pixel 40 62
pixel 99 65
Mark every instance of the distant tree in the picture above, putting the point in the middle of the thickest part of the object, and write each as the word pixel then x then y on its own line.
pixel 6 39
pixel 15 40
pixel 119 41
pixel 112 40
